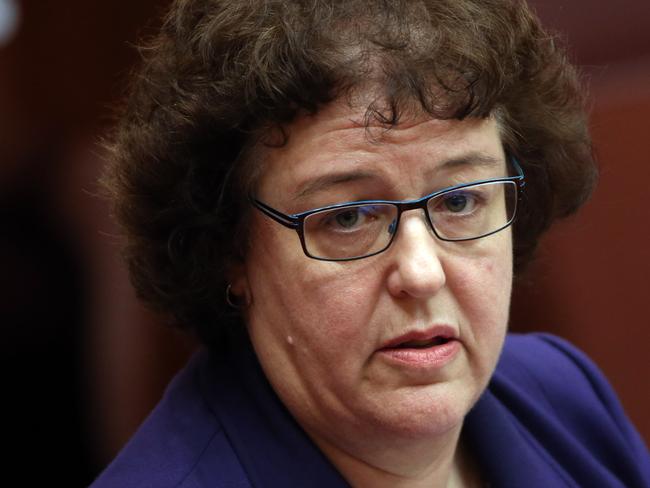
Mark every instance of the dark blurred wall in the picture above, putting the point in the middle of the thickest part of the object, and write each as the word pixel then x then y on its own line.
pixel 61 281
pixel 591 281
pixel 85 362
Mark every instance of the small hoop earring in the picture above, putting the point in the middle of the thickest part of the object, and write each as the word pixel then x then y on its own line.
pixel 229 297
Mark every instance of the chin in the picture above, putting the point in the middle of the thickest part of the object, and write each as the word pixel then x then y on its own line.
pixel 426 412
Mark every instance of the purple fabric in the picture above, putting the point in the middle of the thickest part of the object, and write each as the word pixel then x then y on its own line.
pixel 547 419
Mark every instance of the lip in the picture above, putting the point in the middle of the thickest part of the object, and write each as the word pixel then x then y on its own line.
pixel 444 331
pixel 428 358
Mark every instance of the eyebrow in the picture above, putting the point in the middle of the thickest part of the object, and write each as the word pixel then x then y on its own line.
pixel 332 179
pixel 320 183
pixel 470 159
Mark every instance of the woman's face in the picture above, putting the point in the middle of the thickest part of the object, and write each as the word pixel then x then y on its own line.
pixel 335 339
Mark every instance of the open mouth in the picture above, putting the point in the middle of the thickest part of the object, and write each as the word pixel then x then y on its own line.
pixel 423 344
pixel 425 350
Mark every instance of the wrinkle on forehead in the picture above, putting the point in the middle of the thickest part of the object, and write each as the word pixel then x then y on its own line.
pixel 335 121
pixel 337 132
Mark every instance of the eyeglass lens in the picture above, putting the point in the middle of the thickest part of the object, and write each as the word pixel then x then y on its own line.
pixel 359 230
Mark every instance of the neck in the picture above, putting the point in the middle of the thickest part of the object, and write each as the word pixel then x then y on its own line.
pixel 441 463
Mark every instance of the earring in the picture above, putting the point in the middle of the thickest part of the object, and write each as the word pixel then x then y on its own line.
pixel 230 296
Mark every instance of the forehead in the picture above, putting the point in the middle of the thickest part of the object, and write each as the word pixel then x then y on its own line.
pixel 336 143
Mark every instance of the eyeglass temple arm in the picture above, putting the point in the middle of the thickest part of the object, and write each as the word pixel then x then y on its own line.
pixel 520 171
pixel 279 217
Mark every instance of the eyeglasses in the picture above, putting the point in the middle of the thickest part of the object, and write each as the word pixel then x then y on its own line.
pixel 356 230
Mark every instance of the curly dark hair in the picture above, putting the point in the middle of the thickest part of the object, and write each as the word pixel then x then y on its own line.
pixel 220 74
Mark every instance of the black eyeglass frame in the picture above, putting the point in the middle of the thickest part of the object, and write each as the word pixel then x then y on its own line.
pixel 296 221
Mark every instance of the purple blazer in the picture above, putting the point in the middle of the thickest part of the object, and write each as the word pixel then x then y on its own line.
pixel 547 419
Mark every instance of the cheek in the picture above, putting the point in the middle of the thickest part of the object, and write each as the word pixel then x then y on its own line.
pixel 305 303
pixel 483 287
pixel 334 307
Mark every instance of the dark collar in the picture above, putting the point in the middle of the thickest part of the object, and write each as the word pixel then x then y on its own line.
pixel 504 452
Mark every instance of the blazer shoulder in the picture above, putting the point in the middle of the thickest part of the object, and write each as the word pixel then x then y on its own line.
pixel 542 376
pixel 181 444
pixel 551 367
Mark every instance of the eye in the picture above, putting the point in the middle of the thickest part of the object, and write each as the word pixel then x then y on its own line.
pixel 347 218
pixel 459 202
pixel 350 219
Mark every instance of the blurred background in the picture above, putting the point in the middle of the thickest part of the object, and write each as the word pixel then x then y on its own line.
pixel 83 362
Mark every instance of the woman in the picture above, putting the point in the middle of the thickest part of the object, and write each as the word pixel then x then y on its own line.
pixel 323 193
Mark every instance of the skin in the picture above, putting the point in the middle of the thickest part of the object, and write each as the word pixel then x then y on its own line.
pixel 317 326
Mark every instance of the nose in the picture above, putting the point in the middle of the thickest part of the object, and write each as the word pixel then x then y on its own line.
pixel 416 271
